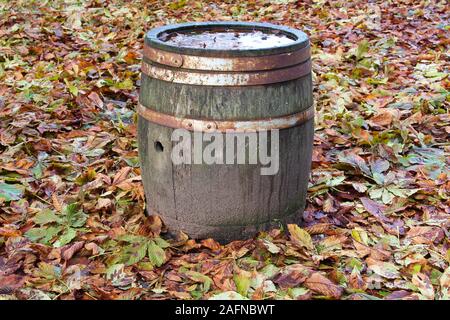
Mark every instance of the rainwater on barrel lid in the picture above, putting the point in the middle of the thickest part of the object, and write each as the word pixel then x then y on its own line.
pixel 226 39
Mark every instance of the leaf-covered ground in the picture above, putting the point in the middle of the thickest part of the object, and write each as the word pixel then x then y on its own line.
pixel 72 220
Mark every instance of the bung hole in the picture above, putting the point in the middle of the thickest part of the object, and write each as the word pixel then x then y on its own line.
pixel 159 147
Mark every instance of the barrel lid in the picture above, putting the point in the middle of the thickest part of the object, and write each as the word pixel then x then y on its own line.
pixel 226 39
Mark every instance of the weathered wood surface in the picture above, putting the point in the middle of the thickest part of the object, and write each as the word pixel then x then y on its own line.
pixel 227 103
pixel 225 201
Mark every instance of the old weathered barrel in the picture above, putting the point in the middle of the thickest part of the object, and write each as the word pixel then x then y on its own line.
pixel 225 78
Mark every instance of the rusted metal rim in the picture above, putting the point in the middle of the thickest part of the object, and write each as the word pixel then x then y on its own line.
pixel 202 125
pixel 153 38
pixel 177 60
pixel 226 79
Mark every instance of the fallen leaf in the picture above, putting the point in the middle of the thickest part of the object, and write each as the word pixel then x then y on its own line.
pixel 291 276
pixel 424 234
pixel 423 283
pixel 121 175
pixel 68 251
pixel 374 208
pixel 383 118
pixel 384 269
pixel 211 244
pixel 103 203
pixel 320 284
pixel 300 237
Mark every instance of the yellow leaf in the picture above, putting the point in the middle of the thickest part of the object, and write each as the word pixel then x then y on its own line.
pixel 300 237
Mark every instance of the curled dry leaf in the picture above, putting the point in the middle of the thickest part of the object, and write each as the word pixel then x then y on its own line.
pixel 56 202
pixel 121 175
pixel 319 228
pixel 383 118
pixel 322 285
pixel 68 251
pixel 92 246
pixel 211 244
pixel 155 224
pixel 291 276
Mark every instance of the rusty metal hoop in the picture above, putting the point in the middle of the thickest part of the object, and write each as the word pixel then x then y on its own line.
pixel 226 79
pixel 258 63
pixel 204 125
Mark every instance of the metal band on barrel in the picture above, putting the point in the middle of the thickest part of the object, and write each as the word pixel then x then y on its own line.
pixel 171 121
pixel 185 61
pixel 226 79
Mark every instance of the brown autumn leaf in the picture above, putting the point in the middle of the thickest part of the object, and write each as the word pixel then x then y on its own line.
pixel 6 138
pixel 423 283
pixel 211 244
pixel 9 283
pixel 103 203
pixel 356 281
pixel 291 276
pixel 322 285
pixel 121 175
pixel 372 252
pixel 383 118
pixel 95 98
pixel 330 205
pixel 56 202
pixel 92 246
pixel 9 232
pixel 424 234
pixel 69 250
pixel 155 224
pixel 130 184
pixel 319 228
pixel 333 241
pixel 14 167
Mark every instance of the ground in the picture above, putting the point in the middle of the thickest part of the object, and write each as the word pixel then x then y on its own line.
pixel 72 219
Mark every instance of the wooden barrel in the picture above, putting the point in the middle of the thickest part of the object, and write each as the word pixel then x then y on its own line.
pixel 224 77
